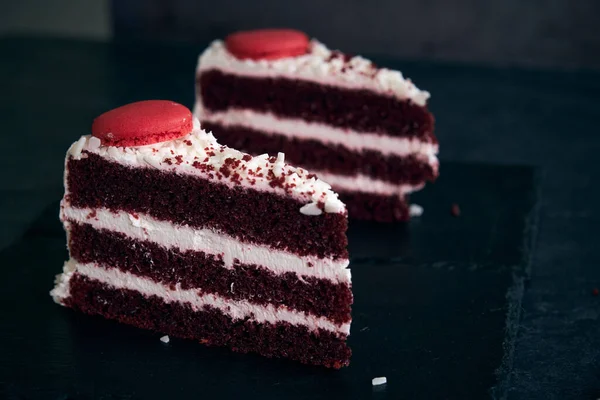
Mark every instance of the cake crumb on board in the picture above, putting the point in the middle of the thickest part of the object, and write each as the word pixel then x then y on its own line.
pixel 415 210
pixel 165 339
pixel 455 210
pixel 382 380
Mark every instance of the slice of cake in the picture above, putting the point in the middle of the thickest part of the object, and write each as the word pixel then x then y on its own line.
pixel 169 231
pixel 364 130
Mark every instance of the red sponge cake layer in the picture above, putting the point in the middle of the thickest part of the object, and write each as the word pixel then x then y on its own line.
pixel 208 325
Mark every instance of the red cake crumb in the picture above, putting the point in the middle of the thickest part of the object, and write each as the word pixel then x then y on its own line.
pixel 225 170
pixel 168 161
pixel 143 123
pixel 179 159
pixel 236 178
pixel 267 44
pixel 338 54
pixel 247 157
pixel 455 210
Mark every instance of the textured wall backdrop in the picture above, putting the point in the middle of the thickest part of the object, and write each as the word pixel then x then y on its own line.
pixel 563 33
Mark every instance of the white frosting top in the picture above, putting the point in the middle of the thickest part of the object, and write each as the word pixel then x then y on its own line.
pixel 320 65
pixel 199 154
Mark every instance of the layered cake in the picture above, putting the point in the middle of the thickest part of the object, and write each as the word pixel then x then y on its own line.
pixel 365 130
pixel 168 230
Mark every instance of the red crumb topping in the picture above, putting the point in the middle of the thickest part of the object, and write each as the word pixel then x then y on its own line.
pixel 455 210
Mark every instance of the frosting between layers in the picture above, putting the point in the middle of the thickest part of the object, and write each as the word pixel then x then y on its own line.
pixel 236 309
pixel 298 128
pixel 169 235
pixel 320 65
pixel 199 154
pixel 366 184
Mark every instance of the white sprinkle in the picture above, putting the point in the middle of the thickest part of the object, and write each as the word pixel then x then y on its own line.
pixel 231 288
pixel 311 209
pixel 152 161
pixel 113 152
pixel 165 339
pixel 279 164
pixel 333 205
pixel 93 143
pixel 415 210
pixel 78 146
pixel 280 158
pixel 382 380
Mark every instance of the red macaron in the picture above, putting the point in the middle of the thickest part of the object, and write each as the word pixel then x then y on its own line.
pixel 267 44
pixel 143 123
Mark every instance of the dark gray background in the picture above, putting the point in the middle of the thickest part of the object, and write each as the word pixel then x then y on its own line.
pixel 536 116
pixel 546 33
pixel 562 33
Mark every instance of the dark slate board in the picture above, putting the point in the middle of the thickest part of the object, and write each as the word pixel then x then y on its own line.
pixel 435 305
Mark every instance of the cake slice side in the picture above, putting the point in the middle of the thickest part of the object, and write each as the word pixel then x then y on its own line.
pixel 363 129
pixel 177 237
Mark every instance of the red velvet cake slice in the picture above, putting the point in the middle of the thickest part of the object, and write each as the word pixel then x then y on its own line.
pixel 365 130
pixel 168 230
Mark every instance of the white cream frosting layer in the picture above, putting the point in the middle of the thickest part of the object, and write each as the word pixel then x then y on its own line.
pixel 298 128
pixel 169 235
pixel 320 65
pixel 190 155
pixel 235 309
pixel 366 184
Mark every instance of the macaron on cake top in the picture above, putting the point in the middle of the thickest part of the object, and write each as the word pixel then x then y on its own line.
pixel 267 44
pixel 143 123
